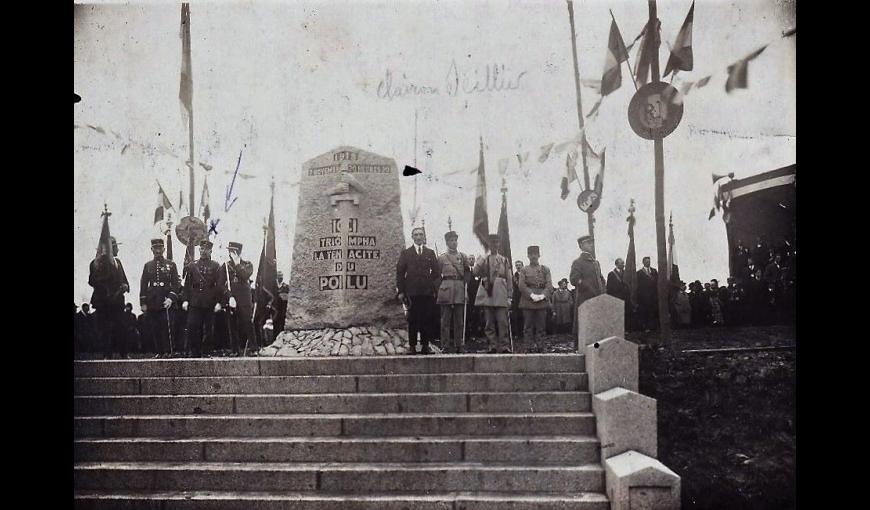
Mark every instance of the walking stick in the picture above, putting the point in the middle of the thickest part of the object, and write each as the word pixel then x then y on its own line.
pixel 169 330
pixel 229 315
pixel 510 331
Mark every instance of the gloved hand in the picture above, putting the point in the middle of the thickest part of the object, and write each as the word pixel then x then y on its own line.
pixel 217 307
pixel 144 308
pixel 232 302
pixel 184 306
pixel 125 287
pixel 167 302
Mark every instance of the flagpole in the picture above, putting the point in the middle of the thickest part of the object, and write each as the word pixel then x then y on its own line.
pixel 589 215
pixel 664 313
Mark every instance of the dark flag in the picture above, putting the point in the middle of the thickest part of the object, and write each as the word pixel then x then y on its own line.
pixel 504 233
pixel 570 174
pixel 204 207
pixel 737 72
pixel 631 258
pixel 646 54
pixel 185 89
pixel 681 54
pixel 266 287
pixel 169 245
pixel 672 256
pixel 481 219
pixel 104 247
pixel 616 55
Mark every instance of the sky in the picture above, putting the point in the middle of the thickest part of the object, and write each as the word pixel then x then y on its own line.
pixel 281 82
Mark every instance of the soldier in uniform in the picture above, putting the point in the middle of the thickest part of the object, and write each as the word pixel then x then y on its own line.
pixel 202 298
pixel 281 304
pixel 158 289
pixel 455 273
pixel 494 295
pixel 238 297
pixel 536 287
pixel 586 274
pixel 416 281
pixel 109 281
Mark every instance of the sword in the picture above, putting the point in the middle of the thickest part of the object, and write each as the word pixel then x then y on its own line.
pixel 169 330
pixel 510 332
pixel 464 310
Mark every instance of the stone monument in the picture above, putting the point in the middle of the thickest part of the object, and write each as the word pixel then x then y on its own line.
pixel 348 238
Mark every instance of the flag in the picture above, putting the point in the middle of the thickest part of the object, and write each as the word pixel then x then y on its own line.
pixel 599 179
pixel 570 173
pixel 169 245
pixel 631 258
pixel 613 59
pixel 646 54
pixel 738 71
pixel 594 109
pixel 205 210
pixel 717 193
pixel 266 288
pixel 481 220
pixel 671 242
pixel 104 246
pixel 185 89
pixel 504 234
pixel 703 82
pixel 163 205
pixel 681 53
pixel 545 152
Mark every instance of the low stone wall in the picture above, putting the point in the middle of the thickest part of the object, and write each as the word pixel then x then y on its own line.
pixel 353 341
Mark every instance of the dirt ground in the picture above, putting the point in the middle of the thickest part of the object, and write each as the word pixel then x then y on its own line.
pixel 726 421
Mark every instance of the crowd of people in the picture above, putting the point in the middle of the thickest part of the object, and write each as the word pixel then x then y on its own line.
pixel 448 298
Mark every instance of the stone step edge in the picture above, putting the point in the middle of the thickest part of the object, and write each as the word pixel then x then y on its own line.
pixel 329 466
pixel 333 416
pixel 333 496
pixel 270 376
pixel 580 438
pixel 320 395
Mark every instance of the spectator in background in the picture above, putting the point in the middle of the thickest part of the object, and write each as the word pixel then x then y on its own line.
pixel 563 307
pixel 735 296
pixel 131 329
pixel 773 270
pixel 618 288
pixel 716 318
pixel 682 308
pixel 647 296
pixel 516 315
pixel 87 329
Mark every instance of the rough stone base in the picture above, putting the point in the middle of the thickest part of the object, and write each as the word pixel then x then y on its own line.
pixel 353 341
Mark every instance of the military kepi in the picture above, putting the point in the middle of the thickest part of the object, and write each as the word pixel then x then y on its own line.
pixel 583 239
pixel 205 243
pixel 235 246
pixel 157 243
pixel 451 235
pixel 534 250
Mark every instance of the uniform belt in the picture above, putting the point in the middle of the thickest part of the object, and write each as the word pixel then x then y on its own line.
pixel 159 284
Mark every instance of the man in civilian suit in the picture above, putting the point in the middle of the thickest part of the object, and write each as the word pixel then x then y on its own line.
pixel 618 288
pixel 417 275
pixel 647 295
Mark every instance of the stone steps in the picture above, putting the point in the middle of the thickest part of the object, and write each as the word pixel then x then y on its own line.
pixel 432 424
pixel 527 450
pixel 485 432
pixel 478 402
pixel 381 383
pixel 344 476
pixel 453 363
pixel 435 500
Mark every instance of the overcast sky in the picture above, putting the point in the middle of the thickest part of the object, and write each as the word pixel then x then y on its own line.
pixel 283 82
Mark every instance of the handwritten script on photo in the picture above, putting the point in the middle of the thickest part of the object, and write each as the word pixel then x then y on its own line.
pixel 458 80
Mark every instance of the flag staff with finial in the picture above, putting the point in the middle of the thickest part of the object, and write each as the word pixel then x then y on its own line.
pixel 449 223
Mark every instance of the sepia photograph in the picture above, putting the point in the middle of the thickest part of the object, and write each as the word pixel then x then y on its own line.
pixel 420 254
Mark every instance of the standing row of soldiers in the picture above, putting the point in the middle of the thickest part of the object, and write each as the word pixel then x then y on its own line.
pixel 423 278
pixel 208 287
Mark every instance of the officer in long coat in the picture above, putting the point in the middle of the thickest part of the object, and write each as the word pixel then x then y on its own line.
pixel 202 298
pixel 158 290
pixel 536 288
pixel 238 296
pixel 455 273
pixel 586 274
pixel 109 281
pixel 416 280
pixel 494 295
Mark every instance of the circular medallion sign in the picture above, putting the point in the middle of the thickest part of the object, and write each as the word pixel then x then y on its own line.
pixel 588 201
pixel 190 229
pixel 655 110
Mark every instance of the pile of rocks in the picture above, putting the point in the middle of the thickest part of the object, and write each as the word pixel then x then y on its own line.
pixel 353 341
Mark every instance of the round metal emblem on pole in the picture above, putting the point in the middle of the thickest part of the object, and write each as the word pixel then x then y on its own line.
pixel 655 110
pixel 588 201
pixel 190 230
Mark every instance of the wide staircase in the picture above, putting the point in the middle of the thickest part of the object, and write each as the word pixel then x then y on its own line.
pixel 469 432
